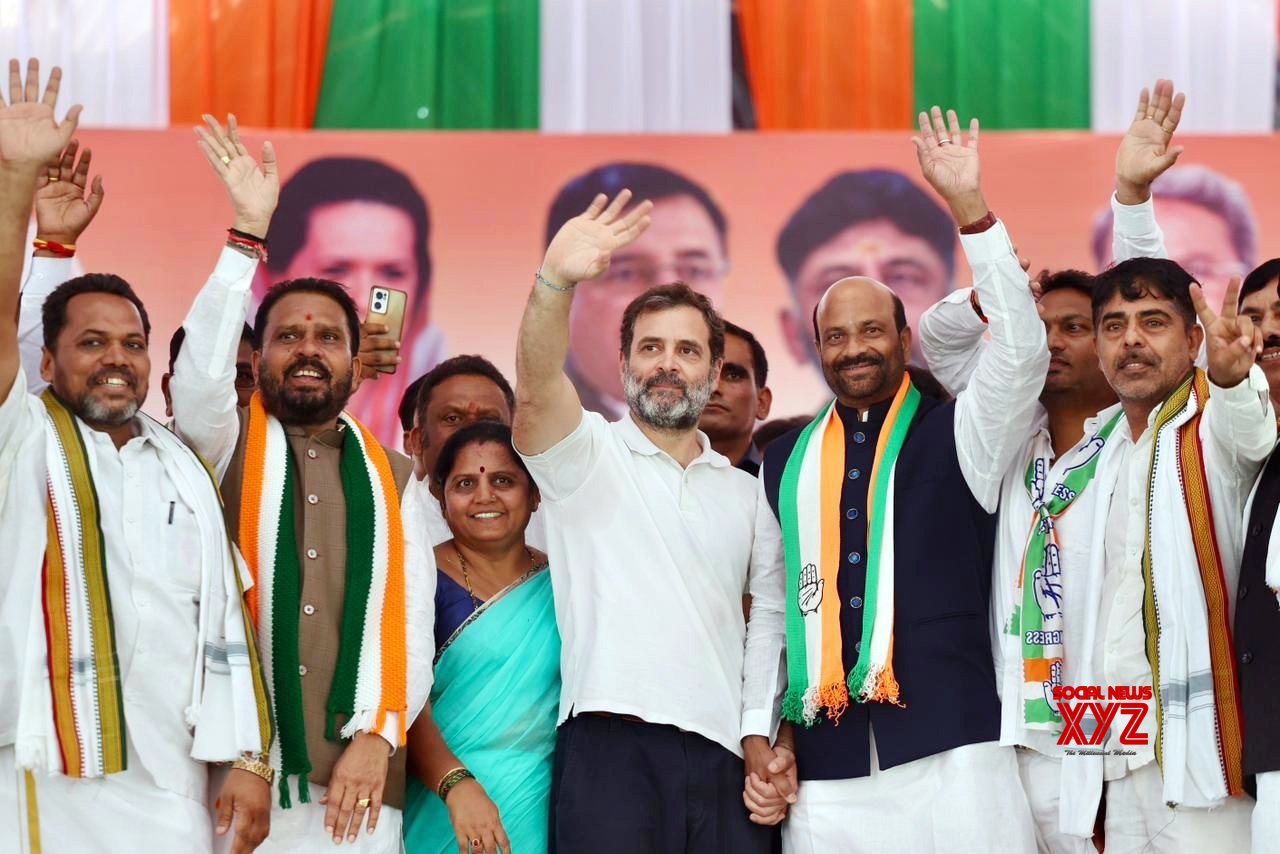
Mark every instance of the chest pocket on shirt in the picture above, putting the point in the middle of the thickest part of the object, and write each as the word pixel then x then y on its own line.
pixel 178 544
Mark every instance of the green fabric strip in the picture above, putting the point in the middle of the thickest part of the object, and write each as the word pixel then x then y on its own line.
pixel 788 511
pixel 358 492
pixel 286 600
pixel 1013 63
pixel 1030 615
pixel 431 64
pixel 878 531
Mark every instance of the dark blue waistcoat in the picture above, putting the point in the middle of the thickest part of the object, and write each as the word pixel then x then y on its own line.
pixel 943 545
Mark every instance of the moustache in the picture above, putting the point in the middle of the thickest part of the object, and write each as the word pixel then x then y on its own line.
pixel 1138 357
pixel 869 360
pixel 309 362
pixel 666 378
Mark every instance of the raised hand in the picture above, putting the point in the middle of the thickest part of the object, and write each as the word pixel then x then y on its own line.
pixel 1145 151
pixel 584 246
pixel 63 211
pixel 810 592
pixel 254 190
pixel 1231 340
pixel 950 164
pixel 29 132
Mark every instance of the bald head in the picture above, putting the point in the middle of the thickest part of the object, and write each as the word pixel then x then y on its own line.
pixel 861 288
pixel 860 330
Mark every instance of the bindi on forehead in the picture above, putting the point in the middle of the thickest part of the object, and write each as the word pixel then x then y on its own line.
pixel 481 469
pixel 308 316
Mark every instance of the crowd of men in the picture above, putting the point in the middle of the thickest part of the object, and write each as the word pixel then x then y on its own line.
pixel 1024 602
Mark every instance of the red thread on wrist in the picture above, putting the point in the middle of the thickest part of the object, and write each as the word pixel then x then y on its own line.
pixel 62 250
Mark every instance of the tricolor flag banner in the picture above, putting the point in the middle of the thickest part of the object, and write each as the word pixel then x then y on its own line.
pixel 632 66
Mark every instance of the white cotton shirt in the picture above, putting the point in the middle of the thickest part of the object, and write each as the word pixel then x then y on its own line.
pixel 1236 431
pixel 649 562
pixel 150 536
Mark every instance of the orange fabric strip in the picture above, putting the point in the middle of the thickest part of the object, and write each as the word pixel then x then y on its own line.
pixel 1221 652
pixel 58 641
pixel 395 689
pixel 833 691
pixel 263 60
pixel 830 64
pixel 255 455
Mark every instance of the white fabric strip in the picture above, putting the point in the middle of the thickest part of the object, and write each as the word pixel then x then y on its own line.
pixel 636 66
pixel 1223 55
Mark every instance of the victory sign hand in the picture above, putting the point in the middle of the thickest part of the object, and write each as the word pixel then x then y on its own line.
pixel 1231 339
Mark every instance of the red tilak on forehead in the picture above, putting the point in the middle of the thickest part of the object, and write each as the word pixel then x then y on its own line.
pixel 308 317
pixel 481 469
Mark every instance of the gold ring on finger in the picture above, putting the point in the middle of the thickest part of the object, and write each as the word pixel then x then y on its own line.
pixel 363 803
pixel 225 160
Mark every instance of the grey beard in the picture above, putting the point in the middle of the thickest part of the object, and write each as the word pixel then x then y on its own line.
pixel 681 415
pixel 93 412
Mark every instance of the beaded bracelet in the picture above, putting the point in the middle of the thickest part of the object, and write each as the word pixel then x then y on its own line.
pixel 543 280
pixel 453 778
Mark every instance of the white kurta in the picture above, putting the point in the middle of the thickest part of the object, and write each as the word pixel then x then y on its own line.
pixel 150 535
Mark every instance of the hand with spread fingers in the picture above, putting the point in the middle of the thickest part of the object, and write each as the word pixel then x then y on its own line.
pixel 254 189
pixel 63 210
pixel 950 163
pixel 245 799
pixel 584 246
pixel 1145 151
pixel 355 787
pixel 30 134
pixel 1232 341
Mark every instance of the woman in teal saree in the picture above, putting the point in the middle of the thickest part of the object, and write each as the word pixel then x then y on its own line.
pixel 480 753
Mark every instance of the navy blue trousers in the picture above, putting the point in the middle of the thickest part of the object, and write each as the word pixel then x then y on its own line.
pixel 629 787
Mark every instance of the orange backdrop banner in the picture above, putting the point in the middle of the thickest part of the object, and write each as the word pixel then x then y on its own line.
pixel 488 198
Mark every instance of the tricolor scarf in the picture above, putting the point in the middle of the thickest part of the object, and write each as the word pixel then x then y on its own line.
pixel 809 505
pixel 1199 741
pixel 228 710
pixel 1038 618
pixel 371 676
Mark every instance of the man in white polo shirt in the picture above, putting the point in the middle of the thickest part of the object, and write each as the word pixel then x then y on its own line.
pixel 652 537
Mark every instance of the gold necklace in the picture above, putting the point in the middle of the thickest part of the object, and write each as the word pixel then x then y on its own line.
pixel 466 576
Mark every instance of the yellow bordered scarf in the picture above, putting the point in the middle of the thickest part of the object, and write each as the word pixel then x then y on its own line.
pixel 83 725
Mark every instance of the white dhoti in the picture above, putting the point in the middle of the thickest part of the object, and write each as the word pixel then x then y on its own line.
pixel 125 811
pixel 1139 821
pixel 1266 814
pixel 964 800
pixel 301 827
pixel 1042 782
